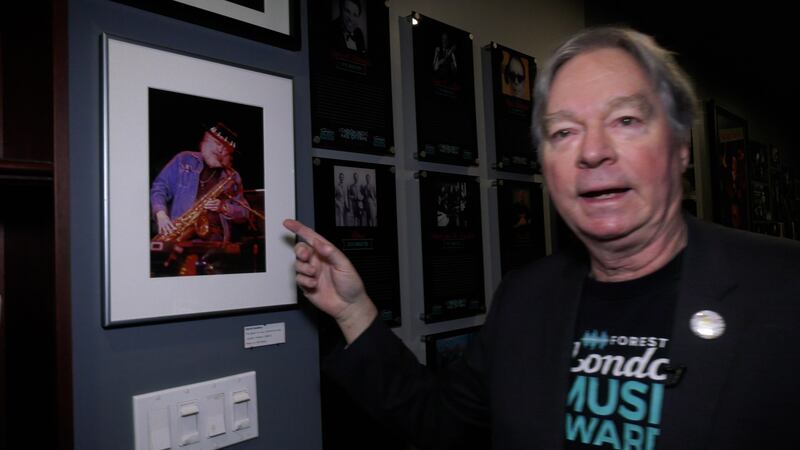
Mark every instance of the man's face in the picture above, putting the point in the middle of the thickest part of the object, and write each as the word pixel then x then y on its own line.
pixel 367 178
pixel 355 178
pixel 515 77
pixel 350 13
pixel 215 153
pixel 608 158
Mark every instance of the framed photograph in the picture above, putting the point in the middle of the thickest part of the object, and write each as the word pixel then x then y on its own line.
pixel 275 22
pixel 198 165
pixel 442 349
pixel 513 75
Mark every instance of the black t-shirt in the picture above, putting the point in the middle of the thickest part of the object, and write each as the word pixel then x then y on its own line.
pixel 619 357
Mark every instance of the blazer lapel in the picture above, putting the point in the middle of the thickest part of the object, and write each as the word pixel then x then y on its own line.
pixel 707 283
pixel 559 335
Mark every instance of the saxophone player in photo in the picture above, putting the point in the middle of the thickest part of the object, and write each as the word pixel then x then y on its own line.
pixel 195 199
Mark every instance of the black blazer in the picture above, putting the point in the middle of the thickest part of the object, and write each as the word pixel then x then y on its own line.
pixel 739 391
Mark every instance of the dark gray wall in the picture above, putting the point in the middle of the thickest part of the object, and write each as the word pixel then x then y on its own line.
pixel 110 366
pixel 736 56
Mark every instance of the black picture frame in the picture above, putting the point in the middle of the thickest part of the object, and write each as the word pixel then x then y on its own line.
pixel 240 24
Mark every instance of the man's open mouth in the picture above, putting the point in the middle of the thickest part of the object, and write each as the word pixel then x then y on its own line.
pixel 601 194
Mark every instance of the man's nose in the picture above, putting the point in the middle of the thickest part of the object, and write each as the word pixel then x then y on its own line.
pixel 596 148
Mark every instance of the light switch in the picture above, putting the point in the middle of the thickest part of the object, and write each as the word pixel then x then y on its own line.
pixel 158 424
pixel 241 410
pixel 215 407
pixel 188 430
pixel 208 415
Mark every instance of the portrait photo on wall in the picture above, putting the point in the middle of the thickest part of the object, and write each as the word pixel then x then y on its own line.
pixel 198 173
pixel 355 209
pixel 444 85
pixel 513 75
pixel 206 186
pixel 441 349
pixel 729 167
pixel 351 94
pixel 452 249
pixel 521 216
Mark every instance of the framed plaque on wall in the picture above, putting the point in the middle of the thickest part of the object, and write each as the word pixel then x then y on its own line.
pixel 355 209
pixel 351 91
pixel 729 167
pixel 441 349
pixel 513 75
pixel 452 252
pixel 444 85
pixel 521 217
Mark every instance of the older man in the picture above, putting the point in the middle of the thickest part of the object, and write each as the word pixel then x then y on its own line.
pixel 195 199
pixel 665 333
pixel 190 174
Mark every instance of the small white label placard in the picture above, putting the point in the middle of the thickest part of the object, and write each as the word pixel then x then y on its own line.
pixel 260 335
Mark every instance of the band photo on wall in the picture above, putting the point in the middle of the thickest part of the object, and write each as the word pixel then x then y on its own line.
pixel 198 173
pixel 521 217
pixel 513 75
pixel 351 94
pixel 444 85
pixel 452 251
pixel 355 209
pixel 206 186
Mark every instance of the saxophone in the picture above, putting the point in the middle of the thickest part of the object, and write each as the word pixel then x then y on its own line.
pixel 195 219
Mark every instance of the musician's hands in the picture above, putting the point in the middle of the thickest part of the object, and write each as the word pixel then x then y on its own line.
pixel 329 281
pixel 213 205
pixel 165 225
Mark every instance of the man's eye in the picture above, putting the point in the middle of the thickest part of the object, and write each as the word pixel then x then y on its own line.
pixel 560 134
pixel 628 121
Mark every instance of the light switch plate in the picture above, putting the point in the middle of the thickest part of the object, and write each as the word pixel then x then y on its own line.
pixel 216 409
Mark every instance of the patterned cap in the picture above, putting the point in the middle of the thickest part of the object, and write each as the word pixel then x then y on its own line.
pixel 223 134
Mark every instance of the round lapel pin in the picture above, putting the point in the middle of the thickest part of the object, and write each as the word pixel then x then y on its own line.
pixel 707 324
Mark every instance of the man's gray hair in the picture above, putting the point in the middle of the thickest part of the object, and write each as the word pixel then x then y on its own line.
pixel 668 79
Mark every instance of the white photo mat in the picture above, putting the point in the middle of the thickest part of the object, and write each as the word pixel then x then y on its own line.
pixel 275 16
pixel 130 294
